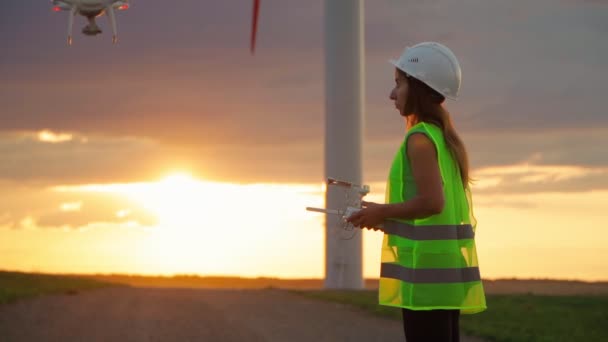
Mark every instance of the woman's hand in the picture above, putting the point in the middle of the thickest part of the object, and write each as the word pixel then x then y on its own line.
pixel 371 216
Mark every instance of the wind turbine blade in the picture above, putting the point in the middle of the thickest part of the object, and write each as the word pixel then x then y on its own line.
pixel 254 24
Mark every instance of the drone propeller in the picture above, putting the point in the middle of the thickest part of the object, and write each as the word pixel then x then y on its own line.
pixel 112 17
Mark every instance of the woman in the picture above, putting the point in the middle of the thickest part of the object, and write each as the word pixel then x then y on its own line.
pixel 429 261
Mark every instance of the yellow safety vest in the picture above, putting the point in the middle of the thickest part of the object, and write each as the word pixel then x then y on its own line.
pixel 431 263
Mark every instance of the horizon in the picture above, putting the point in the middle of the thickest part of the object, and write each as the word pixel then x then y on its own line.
pixel 262 277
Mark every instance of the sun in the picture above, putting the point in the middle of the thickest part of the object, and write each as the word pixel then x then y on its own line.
pixel 177 199
pixel 189 212
pixel 178 177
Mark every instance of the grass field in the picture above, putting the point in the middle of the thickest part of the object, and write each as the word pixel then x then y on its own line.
pixel 16 285
pixel 509 318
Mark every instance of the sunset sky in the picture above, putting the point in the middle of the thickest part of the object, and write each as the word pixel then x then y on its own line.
pixel 176 151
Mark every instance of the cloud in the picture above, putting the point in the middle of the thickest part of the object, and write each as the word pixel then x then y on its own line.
pixel 530 178
pixel 182 86
pixel 567 146
pixel 53 138
pixel 177 203
pixel 32 207
pixel 71 206
pixel 57 159
pixel 111 159
pixel 107 159
pixel 199 99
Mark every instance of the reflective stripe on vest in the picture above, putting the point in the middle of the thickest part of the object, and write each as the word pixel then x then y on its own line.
pixel 434 232
pixel 429 275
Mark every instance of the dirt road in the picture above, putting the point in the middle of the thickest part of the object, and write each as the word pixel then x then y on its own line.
pixel 145 314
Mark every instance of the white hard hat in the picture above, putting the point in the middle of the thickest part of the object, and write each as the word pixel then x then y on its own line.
pixel 433 64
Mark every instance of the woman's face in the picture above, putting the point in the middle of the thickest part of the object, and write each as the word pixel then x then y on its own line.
pixel 399 92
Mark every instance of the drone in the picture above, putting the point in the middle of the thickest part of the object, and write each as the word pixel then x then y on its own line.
pixel 353 195
pixel 91 9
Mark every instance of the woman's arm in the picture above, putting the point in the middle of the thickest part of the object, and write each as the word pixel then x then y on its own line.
pixel 429 199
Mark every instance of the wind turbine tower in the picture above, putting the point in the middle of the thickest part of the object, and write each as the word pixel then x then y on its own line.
pixel 344 103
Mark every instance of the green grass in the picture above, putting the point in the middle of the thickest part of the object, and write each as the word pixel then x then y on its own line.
pixel 16 285
pixel 509 318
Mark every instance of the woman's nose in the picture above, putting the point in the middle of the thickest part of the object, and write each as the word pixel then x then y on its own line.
pixel 392 95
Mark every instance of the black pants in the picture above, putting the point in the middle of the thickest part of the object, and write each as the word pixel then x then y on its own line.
pixel 431 325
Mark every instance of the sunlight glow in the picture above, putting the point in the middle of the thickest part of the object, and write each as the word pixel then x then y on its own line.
pixel 226 228
pixel 531 173
pixel 51 137
pixel 72 206
pixel 252 230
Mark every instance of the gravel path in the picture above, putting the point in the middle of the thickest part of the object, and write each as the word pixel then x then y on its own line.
pixel 148 314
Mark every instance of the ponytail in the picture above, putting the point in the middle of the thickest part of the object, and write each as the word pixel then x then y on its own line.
pixel 426 103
